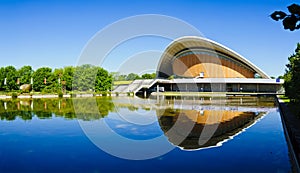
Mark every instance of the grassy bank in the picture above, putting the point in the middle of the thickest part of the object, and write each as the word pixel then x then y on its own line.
pixel 115 83
pixel 285 99
pixel 292 106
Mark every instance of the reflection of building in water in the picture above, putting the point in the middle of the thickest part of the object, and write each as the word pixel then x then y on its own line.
pixel 226 124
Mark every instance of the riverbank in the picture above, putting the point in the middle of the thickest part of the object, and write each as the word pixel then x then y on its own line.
pixel 291 125
pixel 113 94
pixel 63 96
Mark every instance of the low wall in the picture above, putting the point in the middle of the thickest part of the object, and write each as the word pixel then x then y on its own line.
pixel 292 133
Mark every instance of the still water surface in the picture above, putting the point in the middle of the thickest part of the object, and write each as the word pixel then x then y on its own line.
pixel 49 136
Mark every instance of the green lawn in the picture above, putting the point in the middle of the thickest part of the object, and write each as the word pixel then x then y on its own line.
pixel 122 82
pixel 284 99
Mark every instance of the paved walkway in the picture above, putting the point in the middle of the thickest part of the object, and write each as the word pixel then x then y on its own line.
pixel 291 124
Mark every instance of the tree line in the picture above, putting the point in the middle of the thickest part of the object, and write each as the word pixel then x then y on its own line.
pixel 132 76
pixel 79 78
pixel 292 76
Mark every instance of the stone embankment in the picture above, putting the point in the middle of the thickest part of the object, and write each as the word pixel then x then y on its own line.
pixel 291 125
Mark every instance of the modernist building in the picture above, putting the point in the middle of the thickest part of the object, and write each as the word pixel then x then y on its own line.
pixel 198 64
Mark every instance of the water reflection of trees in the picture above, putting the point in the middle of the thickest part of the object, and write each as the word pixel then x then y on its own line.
pixel 26 109
pixel 47 108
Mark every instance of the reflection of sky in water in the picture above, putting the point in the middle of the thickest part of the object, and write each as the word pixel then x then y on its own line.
pixel 138 116
pixel 132 130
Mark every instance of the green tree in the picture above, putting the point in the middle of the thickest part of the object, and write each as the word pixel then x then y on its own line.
pixel 122 77
pixel 84 78
pixel 132 76
pixel 39 77
pixel 91 78
pixel 103 80
pixel 149 76
pixel 55 81
pixel 11 78
pixel 115 75
pixel 118 77
pixel 2 77
pixel 292 76
pixel 68 77
pixel 25 74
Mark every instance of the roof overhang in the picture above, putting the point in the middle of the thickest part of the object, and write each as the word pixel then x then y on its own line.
pixel 186 42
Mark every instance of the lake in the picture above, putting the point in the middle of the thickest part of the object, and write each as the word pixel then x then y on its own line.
pixel 126 134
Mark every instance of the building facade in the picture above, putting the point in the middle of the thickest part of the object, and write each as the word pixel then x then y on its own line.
pixel 196 64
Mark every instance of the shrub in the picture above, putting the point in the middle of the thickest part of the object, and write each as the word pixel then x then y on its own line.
pixel 14 95
pixel 72 94
pixel 60 94
pixel 104 93
pixel 171 77
pixel 129 93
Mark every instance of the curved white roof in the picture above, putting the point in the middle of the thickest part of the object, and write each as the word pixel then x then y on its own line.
pixel 187 42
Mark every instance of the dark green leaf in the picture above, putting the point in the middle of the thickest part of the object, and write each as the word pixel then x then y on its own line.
pixel 278 15
pixel 290 22
pixel 294 9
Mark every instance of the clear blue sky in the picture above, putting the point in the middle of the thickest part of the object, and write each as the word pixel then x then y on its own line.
pixel 53 33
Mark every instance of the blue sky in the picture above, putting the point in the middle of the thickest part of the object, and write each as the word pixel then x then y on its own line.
pixel 53 33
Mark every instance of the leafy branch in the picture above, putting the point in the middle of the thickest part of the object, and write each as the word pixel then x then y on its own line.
pixel 289 21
